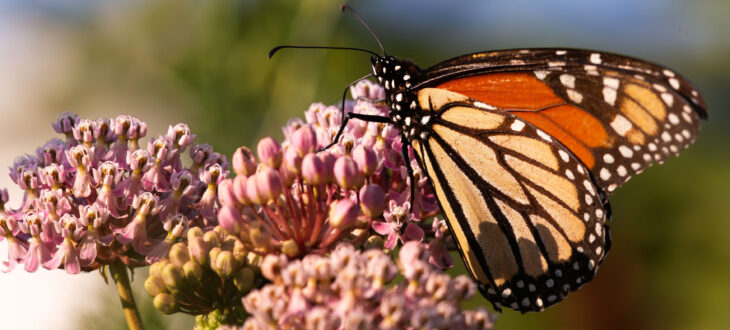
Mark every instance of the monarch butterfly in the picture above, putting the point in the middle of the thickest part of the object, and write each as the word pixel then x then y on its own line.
pixel 522 147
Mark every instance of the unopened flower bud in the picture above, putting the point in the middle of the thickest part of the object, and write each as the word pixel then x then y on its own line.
pixel 372 200
pixel 328 160
pixel 179 254
pixel 239 190
pixel 230 219
pixel 290 248
pixel 154 285
pixel 269 152
pixel 173 277
pixel 157 267
pixel 287 177
pixel 343 214
pixel 260 236
pixel 252 190
pixel 269 184
pixel 213 256
pixel 304 140
pixel 198 249
pixel 313 170
pixel 165 303
pixel 212 239
pixel 365 159
pixel 346 173
pixel 244 162
pixel 193 272
pixel 293 160
pixel 194 232
pixel 226 264
pixel 244 279
pixel 239 251
pixel 374 242
pixel 226 194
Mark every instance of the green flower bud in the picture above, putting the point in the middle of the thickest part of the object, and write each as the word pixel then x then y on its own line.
pixel 173 277
pixel 194 232
pixel 165 303
pixel 374 242
pixel 290 248
pixel 156 268
pixel 213 256
pixel 244 279
pixel 154 285
pixel 198 250
pixel 193 272
pixel 179 254
pixel 212 239
pixel 226 264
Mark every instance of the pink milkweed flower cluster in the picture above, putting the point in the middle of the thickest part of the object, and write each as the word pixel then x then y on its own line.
pixel 99 196
pixel 351 289
pixel 295 199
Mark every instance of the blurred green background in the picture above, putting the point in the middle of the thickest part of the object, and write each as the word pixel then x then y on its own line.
pixel 204 63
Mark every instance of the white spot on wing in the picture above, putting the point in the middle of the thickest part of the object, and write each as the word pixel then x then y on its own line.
pixel 625 151
pixel 484 105
pixel 560 52
pixel 595 58
pixel 517 126
pixel 609 95
pixel 621 125
pixel 674 83
pixel 563 155
pixel 544 135
pixel 567 80
pixel 575 96
pixel 611 82
pixel 541 74
pixel 668 99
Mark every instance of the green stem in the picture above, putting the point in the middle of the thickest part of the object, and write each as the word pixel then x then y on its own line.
pixel 119 274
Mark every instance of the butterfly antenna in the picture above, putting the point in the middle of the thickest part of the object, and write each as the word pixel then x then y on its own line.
pixel 277 48
pixel 344 7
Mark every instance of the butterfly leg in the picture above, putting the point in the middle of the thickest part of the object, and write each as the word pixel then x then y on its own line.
pixel 351 115
pixel 409 169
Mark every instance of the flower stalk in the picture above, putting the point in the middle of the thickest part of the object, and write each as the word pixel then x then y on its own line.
pixel 118 271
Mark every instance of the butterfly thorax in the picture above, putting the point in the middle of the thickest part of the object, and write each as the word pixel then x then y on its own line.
pixel 397 77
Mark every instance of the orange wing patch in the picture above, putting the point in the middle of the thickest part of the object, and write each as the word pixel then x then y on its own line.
pixel 575 128
pixel 506 90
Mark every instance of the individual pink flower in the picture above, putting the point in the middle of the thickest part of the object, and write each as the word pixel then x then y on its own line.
pixel 91 222
pixel 38 251
pixel 175 227
pixel 83 132
pixel 136 231
pixel 52 153
pixel 398 216
pixel 66 253
pixel 81 158
pixel 438 252
pixel 211 177
pixel 109 174
pixel 183 190
pixel 65 123
pixel 156 176
pixel 54 203
pixel 17 248
pixel 138 162
pixel 53 176
pixel 181 136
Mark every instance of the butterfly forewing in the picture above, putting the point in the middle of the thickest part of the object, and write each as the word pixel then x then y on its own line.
pixel 525 212
pixel 618 115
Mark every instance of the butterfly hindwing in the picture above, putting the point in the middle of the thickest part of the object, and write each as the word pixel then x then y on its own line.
pixel 525 212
